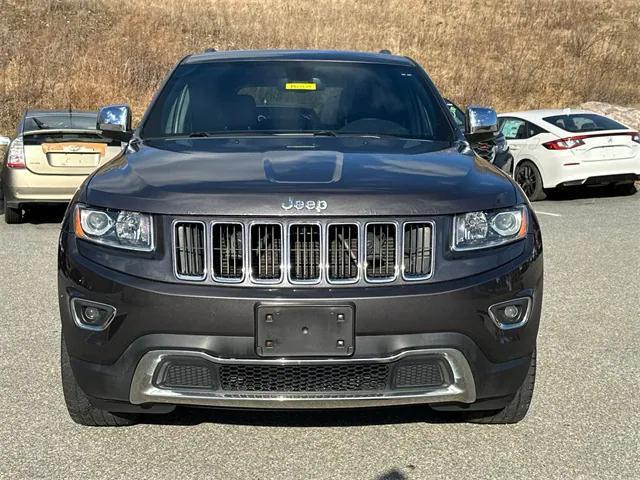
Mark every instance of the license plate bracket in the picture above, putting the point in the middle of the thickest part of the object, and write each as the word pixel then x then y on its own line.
pixel 304 331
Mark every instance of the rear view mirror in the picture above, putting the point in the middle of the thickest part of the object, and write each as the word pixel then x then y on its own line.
pixel 4 141
pixel 481 124
pixel 115 122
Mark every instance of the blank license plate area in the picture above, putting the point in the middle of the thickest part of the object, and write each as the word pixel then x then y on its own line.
pixel 304 331
pixel 73 159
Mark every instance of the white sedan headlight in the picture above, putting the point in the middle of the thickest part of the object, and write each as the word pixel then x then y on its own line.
pixel 115 228
pixel 475 230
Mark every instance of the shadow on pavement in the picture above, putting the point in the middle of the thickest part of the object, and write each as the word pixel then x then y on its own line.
pixel 184 416
pixel 579 193
pixel 42 214
pixel 392 474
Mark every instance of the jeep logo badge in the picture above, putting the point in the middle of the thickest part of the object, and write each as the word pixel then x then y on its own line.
pixel 317 205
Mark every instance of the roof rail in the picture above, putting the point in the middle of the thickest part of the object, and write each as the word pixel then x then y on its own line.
pixel 385 51
pixel 210 50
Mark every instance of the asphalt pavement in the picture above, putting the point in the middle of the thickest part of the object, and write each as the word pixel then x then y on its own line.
pixel 584 421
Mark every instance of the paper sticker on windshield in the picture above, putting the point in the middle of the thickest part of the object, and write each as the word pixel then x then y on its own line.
pixel 300 86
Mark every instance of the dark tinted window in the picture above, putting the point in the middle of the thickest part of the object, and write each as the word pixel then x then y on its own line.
pixel 584 122
pixel 297 97
pixel 59 137
pixel 535 130
pixel 63 120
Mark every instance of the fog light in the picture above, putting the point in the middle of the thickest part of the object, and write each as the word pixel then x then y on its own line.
pixel 92 315
pixel 510 314
pixel 511 311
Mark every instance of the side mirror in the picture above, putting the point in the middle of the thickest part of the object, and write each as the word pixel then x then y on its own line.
pixel 481 124
pixel 115 122
pixel 4 141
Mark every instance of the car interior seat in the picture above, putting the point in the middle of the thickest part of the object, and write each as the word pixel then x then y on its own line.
pixel 521 134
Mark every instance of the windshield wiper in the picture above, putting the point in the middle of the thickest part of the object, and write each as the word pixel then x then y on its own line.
pixel 325 133
pixel 230 133
pixel 397 135
pixel 39 124
pixel 247 133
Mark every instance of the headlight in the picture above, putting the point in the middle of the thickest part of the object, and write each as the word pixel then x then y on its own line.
pixel 502 147
pixel 475 230
pixel 116 228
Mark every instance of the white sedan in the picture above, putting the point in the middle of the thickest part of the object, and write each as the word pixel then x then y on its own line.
pixel 560 148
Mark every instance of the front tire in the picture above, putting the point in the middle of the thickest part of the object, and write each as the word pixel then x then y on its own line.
pixel 528 177
pixel 518 407
pixel 13 215
pixel 78 404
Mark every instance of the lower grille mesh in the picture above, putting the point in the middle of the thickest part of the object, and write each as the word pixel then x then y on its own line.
pixel 188 376
pixel 303 378
pixel 418 375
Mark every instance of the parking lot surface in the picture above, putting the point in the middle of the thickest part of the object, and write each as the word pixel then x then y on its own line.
pixel 584 421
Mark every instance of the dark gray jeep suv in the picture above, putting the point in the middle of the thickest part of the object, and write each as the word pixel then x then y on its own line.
pixel 298 229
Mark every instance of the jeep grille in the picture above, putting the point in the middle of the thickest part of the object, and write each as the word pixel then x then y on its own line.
pixel 303 251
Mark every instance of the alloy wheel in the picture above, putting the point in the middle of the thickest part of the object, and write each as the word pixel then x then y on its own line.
pixel 526 178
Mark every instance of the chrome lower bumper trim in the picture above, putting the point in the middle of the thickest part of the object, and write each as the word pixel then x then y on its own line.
pixel 461 389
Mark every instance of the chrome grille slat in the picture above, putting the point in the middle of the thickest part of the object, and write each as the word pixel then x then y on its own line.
pixel 417 250
pixel 228 258
pixel 189 245
pixel 304 252
pixel 381 258
pixel 343 249
pixel 266 252
pixel 292 251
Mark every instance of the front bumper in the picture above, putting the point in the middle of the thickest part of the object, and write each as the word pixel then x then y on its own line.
pixel 155 320
pixel 459 388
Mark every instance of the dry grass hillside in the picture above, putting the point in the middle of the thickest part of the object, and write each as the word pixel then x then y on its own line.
pixel 509 54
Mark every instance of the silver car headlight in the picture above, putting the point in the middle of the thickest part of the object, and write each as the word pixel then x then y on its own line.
pixel 115 228
pixel 475 230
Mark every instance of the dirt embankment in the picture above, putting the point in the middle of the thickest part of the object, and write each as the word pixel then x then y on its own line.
pixel 86 53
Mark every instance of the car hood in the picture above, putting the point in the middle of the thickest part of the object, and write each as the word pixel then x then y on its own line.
pixel 298 176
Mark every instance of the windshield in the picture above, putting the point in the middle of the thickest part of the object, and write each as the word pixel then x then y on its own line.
pixel 47 121
pixel 584 122
pixel 301 97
